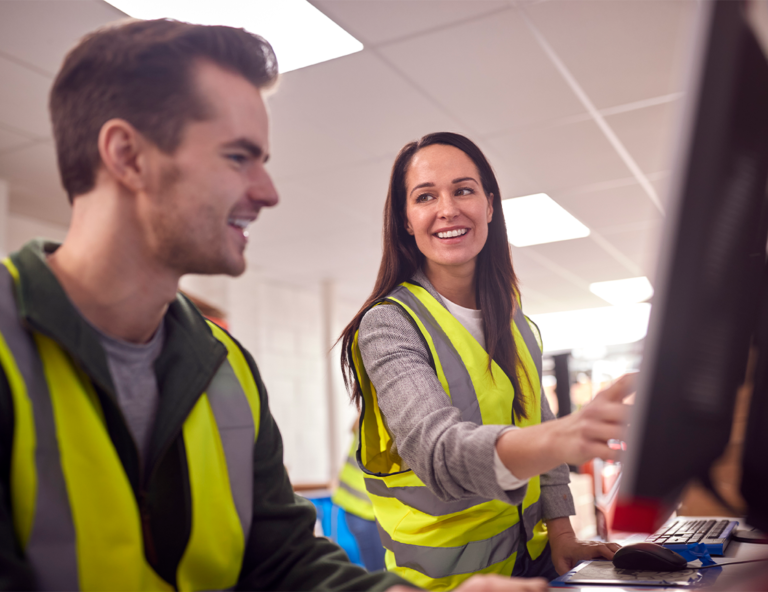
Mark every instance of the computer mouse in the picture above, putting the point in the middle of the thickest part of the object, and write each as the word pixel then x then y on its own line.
pixel 648 557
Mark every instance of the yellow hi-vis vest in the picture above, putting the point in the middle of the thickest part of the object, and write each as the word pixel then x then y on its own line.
pixel 351 493
pixel 74 512
pixel 430 542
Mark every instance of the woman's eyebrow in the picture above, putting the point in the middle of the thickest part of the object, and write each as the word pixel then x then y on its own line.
pixel 460 179
pixel 422 185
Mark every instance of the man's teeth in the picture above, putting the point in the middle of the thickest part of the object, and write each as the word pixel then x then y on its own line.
pixel 452 233
pixel 240 222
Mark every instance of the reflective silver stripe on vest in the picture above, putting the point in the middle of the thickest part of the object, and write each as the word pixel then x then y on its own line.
pixel 529 338
pixel 352 491
pixel 531 516
pixel 441 562
pixel 463 395
pixel 51 546
pixel 234 419
pixel 422 499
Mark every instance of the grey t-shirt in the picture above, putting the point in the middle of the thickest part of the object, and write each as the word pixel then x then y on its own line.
pixel 133 374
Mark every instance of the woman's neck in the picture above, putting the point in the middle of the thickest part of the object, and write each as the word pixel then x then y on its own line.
pixel 457 284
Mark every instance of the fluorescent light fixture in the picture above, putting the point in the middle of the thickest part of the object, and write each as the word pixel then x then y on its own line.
pixel 593 327
pixel 300 34
pixel 627 291
pixel 537 219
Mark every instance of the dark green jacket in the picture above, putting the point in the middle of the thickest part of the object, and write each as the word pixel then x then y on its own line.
pixel 282 552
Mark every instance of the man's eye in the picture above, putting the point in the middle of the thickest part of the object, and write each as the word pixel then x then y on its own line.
pixel 237 158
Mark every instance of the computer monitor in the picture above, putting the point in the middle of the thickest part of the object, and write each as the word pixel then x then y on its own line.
pixel 710 282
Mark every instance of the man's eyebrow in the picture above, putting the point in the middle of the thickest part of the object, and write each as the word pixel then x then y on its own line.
pixel 253 149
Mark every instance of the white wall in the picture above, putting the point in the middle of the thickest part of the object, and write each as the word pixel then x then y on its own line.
pixel 283 328
pixel 21 229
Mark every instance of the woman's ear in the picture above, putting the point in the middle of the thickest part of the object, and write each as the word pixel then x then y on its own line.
pixel 490 208
pixel 408 227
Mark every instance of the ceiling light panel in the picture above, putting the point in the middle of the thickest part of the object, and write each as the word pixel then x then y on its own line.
pixel 538 219
pixel 627 291
pixel 593 327
pixel 299 33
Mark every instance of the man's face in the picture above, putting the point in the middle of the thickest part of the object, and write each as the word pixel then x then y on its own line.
pixel 200 199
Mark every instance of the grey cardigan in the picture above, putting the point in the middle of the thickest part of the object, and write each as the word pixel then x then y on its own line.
pixel 454 458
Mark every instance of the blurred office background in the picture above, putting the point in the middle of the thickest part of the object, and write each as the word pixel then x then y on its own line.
pixel 573 98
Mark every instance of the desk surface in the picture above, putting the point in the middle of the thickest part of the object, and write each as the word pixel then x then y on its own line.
pixel 746 576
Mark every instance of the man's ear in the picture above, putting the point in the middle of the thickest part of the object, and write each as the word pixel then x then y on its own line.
pixel 122 148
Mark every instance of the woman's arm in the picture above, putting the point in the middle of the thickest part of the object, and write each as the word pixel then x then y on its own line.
pixel 573 439
pixel 452 457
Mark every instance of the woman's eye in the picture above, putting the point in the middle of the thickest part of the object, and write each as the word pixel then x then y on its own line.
pixel 464 191
pixel 423 197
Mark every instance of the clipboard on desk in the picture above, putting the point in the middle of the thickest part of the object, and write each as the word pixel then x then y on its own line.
pixel 598 572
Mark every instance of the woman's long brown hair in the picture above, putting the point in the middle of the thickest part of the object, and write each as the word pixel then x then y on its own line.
pixel 495 280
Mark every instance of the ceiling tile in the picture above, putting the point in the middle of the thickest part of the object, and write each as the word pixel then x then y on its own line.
pixel 345 111
pixel 605 208
pixel 326 226
pixel 641 244
pixel 489 73
pixel 619 52
pixel 35 186
pixel 62 21
pixel 377 21
pixel 24 99
pixel 557 157
pixel 583 258
pixel 36 203
pixel 10 140
pixel 648 134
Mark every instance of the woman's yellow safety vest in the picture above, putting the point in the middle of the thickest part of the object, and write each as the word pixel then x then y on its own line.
pixel 74 512
pixel 433 543
pixel 351 493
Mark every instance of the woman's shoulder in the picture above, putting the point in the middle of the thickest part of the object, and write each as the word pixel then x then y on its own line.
pixel 387 325
pixel 381 316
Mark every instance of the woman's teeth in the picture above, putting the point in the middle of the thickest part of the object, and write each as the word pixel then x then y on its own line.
pixel 452 233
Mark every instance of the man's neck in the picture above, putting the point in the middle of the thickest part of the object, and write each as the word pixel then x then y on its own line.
pixel 105 275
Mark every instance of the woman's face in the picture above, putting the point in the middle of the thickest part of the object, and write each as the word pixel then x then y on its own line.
pixel 447 211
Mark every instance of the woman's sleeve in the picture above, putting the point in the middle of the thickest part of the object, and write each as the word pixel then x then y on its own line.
pixel 452 457
pixel 556 498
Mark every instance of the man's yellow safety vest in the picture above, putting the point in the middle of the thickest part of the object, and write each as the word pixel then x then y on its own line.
pixel 351 494
pixel 74 511
pixel 430 542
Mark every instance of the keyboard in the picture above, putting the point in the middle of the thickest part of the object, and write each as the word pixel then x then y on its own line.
pixel 715 533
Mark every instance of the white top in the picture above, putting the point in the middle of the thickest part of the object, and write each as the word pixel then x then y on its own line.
pixel 472 320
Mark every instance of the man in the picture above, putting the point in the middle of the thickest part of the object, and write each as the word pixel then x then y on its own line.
pixel 137 450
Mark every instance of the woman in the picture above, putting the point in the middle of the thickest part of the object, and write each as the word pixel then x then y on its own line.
pixel 442 361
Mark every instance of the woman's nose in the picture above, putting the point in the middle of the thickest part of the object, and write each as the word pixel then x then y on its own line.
pixel 447 207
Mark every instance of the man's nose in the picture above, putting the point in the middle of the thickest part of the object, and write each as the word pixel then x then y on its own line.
pixel 262 190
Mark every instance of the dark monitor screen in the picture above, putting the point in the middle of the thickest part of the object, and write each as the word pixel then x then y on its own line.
pixel 710 276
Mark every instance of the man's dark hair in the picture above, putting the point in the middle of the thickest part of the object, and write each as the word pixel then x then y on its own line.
pixel 142 72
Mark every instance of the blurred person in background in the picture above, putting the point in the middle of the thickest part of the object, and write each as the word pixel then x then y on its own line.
pixel 352 497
